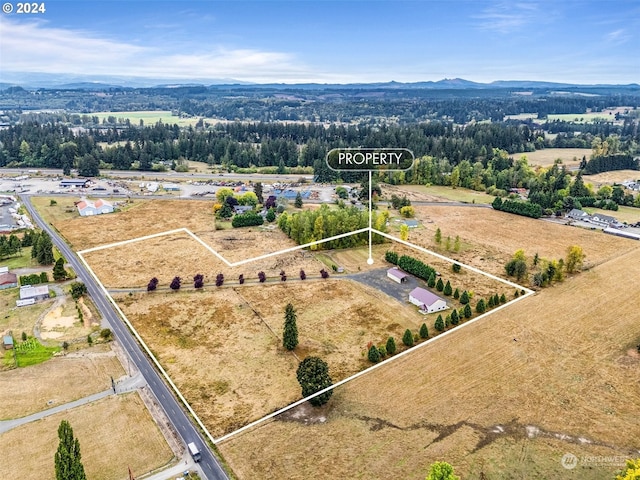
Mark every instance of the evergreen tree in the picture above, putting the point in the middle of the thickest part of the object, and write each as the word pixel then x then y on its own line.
pixel 496 300
pixel 257 189
pixel 490 302
pixel 438 236
pixel 391 346
pixel 464 298
pixel 432 280
pixel 455 319
pixel 440 285
pixel 447 288
pixel 298 201
pixel 67 458
pixel 424 331
pixel 467 311
pixel 503 298
pixel 45 249
pixel 456 294
pixel 313 376
pixel 290 331
pixel 407 338
pixel 374 354
pixel 439 325
pixel 481 306
pixel 59 273
pixel 270 216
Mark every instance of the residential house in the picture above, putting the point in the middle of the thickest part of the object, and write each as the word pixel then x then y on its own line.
pixel 8 280
pixel 602 220
pixel 38 292
pixel 577 214
pixel 87 208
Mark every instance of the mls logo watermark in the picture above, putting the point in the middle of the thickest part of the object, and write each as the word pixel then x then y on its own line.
pixel 570 461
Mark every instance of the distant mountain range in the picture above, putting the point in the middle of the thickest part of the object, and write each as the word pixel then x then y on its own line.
pixel 30 81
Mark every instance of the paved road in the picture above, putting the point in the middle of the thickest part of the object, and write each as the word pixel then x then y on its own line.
pixel 181 422
pixel 255 177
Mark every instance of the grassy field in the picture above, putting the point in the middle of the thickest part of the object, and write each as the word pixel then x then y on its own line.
pixel 571 157
pixel 115 433
pixel 57 381
pixel 605 115
pixel 23 260
pixel 437 193
pixel 504 398
pixel 623 214
pixel 150 117
pixel 491 237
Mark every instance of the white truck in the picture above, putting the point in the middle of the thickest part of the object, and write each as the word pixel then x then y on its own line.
pixel 194 451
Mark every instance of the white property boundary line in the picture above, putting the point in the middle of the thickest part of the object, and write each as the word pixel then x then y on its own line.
pixel 369 229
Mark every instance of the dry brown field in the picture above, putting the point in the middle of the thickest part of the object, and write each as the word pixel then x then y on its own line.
pixel 571 157
pixel 490 238
pixel 223 349
pixel 609 178
pixel 115 433
pixel 179 254
pixel 57 381
pixel 503 398
pixel 140 218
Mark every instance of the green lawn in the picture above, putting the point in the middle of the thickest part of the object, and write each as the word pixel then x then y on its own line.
pixel 623 214
pixel 149 117
pixel 29 352
pixel 23 260
pixel 458 194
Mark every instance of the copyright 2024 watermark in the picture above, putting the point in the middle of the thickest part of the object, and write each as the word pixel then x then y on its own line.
pixel 571 461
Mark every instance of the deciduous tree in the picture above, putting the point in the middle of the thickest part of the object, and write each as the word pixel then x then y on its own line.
pixel 575 259
pixel 175 283
pixel 441 471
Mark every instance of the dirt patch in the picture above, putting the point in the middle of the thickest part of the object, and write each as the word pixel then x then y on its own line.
pixel 307 414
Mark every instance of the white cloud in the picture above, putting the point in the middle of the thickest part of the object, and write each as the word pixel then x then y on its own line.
pixel 38 47
pixel 617 37
pixel 506 17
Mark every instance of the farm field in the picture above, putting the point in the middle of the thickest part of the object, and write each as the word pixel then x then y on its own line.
pixel 490 238
pixel 179 254
pixel 151 117
pixel 571 157
pixel 30 448
pixel 139 218
pixel 236 333
pixel 502 398
pixel 437 193
pixel 57 381
pixel 609 178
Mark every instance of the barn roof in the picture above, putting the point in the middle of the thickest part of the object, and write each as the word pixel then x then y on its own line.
pixel 396 272
pixel 424 296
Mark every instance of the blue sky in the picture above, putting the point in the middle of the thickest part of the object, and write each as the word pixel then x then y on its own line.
pixel 329 41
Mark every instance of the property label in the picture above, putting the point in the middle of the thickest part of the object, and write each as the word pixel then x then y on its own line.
pixel 369 159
